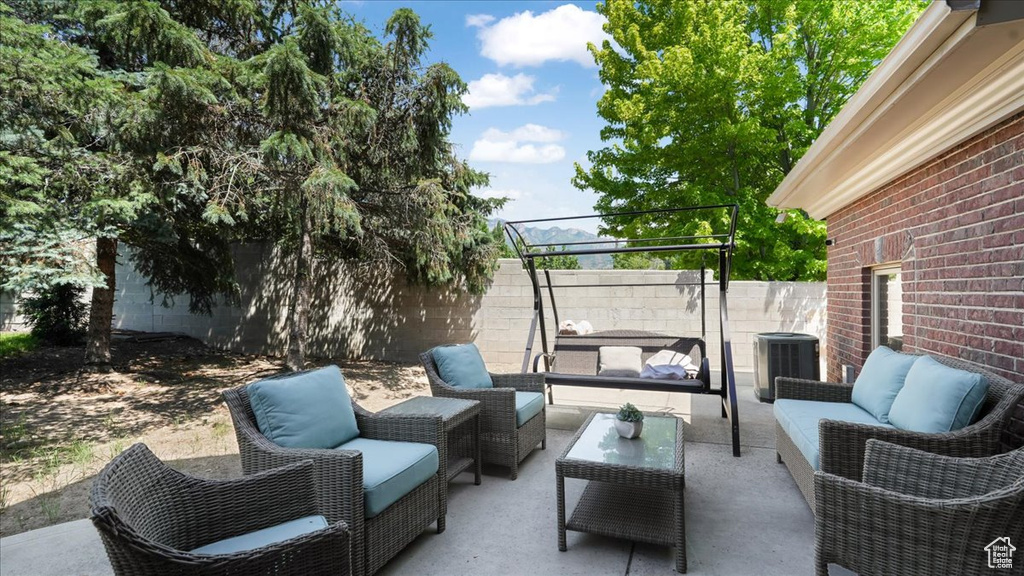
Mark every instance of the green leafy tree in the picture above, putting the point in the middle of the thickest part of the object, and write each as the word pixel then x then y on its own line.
pixel 559 262
pixel 93 92
pixel 62 180
pixel 350 157
pixel 266 120
pixel 506 250
pixel 637 261
pixel 713 102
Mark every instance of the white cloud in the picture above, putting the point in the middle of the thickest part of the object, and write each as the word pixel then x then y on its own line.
pixel 497 146
pixel 500 90
pixel 478 20
pixel 525 133
pixel 487 151
pixel 525 39
pixel 511 194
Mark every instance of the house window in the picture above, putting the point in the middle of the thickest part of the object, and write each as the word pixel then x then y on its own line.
pixel 887 307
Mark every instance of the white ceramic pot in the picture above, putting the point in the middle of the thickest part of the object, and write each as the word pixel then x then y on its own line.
pixel 629 430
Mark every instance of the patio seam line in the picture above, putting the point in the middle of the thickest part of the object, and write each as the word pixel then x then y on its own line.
pixel 629 562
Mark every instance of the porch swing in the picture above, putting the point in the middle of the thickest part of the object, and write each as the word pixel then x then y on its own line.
pixel 573 359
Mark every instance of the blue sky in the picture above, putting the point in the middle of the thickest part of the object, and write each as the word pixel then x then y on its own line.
pixel 533 94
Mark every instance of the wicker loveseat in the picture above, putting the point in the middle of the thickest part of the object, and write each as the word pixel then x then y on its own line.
pixel 921 514
pixel 841 444
pixel 155 520
pixel 503 440
pixel 339 474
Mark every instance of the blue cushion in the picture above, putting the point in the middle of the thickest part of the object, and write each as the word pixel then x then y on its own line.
pixel 799 418
pixel 528 405
pixel 391 470
pixel 462 366
pixel 938 398
pixel 264 537
pixel 880 380
pixel 306 410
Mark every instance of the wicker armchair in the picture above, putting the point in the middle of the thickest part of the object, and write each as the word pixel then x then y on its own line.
pixel 842 444
pixel 918 513
pixel 338 476
pixel 149 516
pixel 502 442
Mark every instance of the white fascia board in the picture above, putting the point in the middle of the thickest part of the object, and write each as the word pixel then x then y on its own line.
pixel 945 81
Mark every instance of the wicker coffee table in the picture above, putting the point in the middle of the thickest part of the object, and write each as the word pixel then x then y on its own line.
pixel 461 425
pixel 636 486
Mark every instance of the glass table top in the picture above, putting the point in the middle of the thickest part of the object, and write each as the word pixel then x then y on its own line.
pixel 655 448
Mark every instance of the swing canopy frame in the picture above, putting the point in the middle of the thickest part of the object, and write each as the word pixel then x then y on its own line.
pixel 572 359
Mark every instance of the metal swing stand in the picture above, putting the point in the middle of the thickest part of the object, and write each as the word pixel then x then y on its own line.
pixel 572 361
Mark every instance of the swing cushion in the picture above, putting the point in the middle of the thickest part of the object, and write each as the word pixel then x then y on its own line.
pixel 462 366
pixel 624 361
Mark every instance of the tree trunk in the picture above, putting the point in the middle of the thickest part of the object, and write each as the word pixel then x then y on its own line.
pixel 298 312
pixel 101 311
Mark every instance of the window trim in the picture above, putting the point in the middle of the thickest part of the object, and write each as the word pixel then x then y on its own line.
pixel 877 273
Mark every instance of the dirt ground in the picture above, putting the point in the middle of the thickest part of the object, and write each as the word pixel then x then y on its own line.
pixel 59 425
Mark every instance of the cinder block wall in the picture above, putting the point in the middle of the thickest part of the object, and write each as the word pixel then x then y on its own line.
pixel 957 225
pixel 10 318
pixel 358 314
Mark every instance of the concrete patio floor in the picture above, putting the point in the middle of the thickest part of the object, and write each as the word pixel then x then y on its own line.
pixel 744 516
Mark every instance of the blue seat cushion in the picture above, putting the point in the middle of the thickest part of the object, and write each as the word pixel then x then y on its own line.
pixel 264 537
pixel 391 470
pixel 462 366
pixel 880 380
pixel 310 409
pixel 528 405
pixel 799 419
pixel 938 398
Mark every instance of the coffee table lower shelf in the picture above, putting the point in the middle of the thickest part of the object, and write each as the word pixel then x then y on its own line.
pixel 628 512
pixel 458 465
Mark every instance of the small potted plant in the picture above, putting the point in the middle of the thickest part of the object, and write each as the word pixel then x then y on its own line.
pixel 629 422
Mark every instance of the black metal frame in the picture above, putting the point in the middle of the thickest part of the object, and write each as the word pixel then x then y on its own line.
pixel 723 243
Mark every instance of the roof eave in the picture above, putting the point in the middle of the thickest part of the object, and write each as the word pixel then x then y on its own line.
pixel 922 99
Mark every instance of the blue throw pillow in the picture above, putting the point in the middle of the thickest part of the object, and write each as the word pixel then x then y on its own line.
pixel 880 380
pixel 937 398
pixel 310 409
pixel 462 366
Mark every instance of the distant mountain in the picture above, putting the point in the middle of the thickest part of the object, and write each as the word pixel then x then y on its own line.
pixel 556 235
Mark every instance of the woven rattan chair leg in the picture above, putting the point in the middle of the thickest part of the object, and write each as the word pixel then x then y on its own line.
pixel 778 458
pixel 440 524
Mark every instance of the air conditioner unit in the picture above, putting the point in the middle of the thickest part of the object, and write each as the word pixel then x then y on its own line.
pixel 783 354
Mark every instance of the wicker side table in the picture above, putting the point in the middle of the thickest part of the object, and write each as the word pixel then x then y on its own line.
pixel 461 424
pixel 636 486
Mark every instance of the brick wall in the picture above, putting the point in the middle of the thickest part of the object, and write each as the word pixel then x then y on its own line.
pixel 358 316
pixel 957 225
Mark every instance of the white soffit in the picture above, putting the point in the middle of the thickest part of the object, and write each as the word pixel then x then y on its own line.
pixel 945 81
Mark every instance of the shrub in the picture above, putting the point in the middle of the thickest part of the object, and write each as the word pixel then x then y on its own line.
pixel 57 315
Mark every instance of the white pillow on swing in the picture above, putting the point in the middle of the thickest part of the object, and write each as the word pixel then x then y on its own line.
pixel 621 361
